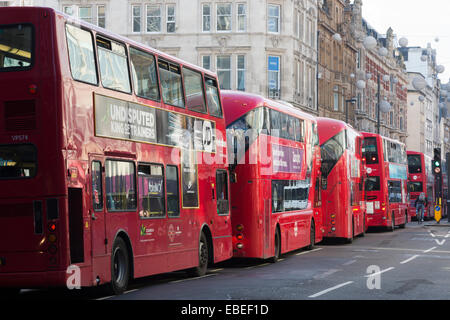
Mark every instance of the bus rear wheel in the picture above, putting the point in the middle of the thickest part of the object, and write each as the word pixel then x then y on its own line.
pixel 277 247
pixel 203 258
pixel 120 267
pixel 392 227
pixel 312 237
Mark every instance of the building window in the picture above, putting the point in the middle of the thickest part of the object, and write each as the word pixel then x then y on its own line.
pixel 206 20
pixel 154 18
pixel 206 62
pixel 224 17
pixel 171 18
pixel 242 17
pixel 273 67
pixel 336 101
pixel 224 72
pixel 85 13
pixel 101 16
pixel 136 18
pixel 69 10
pixel 241 72
pixel 273 23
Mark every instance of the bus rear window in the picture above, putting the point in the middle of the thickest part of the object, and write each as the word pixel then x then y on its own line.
pixel 415 186
pixel 370 150
pixel 373 184
pixel 16 46
pixel 414 164
pixel 18 161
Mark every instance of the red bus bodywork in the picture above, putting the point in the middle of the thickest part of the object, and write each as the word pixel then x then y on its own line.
pixel 48 221
pixel 276 177
pixel 386 184
pixel 420 179
pixel 343 173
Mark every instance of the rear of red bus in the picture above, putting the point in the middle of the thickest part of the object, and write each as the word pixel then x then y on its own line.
pixel 342 180
pixel 420 179
pixel 377 200
pixel 386 184
pixel 256 220
pixel 33 234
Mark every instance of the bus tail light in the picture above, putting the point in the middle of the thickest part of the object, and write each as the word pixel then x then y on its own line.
pixel 52 227
pixel 240 237
pixel 240 228
pixel 240 246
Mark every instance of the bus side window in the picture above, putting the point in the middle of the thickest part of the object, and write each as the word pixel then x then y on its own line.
pixel 145 80
pixel 97 191
pixel 173 194
pixel 193 85
pixel 212 96
pixel 275 123
pixel 120 185
pixel 81 54
pixel 222 192
pixel 172 88
pixel 151 191
pixel 113 61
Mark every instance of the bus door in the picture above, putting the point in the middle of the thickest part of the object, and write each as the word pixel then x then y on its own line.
pixel 220 222
pixel 97 208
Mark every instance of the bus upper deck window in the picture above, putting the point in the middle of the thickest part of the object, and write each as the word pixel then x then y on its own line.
pixel 16 47
pixel 212 96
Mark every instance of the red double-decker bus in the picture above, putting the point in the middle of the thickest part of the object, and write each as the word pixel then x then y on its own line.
pixel 343 205
pixel 386 184
pixel 112 157
pixel 420 179
pixel 274 156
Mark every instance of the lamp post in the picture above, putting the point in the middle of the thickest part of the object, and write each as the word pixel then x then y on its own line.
pixel 378 103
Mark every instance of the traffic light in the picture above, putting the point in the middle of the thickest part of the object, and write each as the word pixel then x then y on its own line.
pixel 437 162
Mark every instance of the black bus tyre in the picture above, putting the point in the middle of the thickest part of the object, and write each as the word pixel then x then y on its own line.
pixel 277 247
pixel 350 240
pixel 403 226
pixel 120 267
pixel 392 227
pixel 312 237
pixel 203 257
pixel 363 234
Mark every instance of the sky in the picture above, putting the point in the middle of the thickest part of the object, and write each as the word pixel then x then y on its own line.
pixel 421 22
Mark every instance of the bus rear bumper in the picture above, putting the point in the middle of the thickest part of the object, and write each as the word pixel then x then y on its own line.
pixel 30 280
pixel 377 220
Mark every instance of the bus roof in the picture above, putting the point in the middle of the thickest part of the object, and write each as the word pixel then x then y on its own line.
pixel 109 34
pixel 328 128
pixel 239 103
pixel 375 135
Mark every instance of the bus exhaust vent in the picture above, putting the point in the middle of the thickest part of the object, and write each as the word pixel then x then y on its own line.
pixel 20 115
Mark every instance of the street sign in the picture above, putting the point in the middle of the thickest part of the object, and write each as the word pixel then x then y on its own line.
pixel 438 213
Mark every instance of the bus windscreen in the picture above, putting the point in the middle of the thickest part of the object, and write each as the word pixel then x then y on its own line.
pixel 16 44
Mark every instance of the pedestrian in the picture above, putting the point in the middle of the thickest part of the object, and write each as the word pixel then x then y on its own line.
pixel 420 204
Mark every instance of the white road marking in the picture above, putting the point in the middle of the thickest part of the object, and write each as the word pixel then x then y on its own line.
pixel 378 273
pixel 429 250
pixel 441 243
pixel 410 259
pixel 349 262
pixel 321 293
pixel 197 278
pixel 306 252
